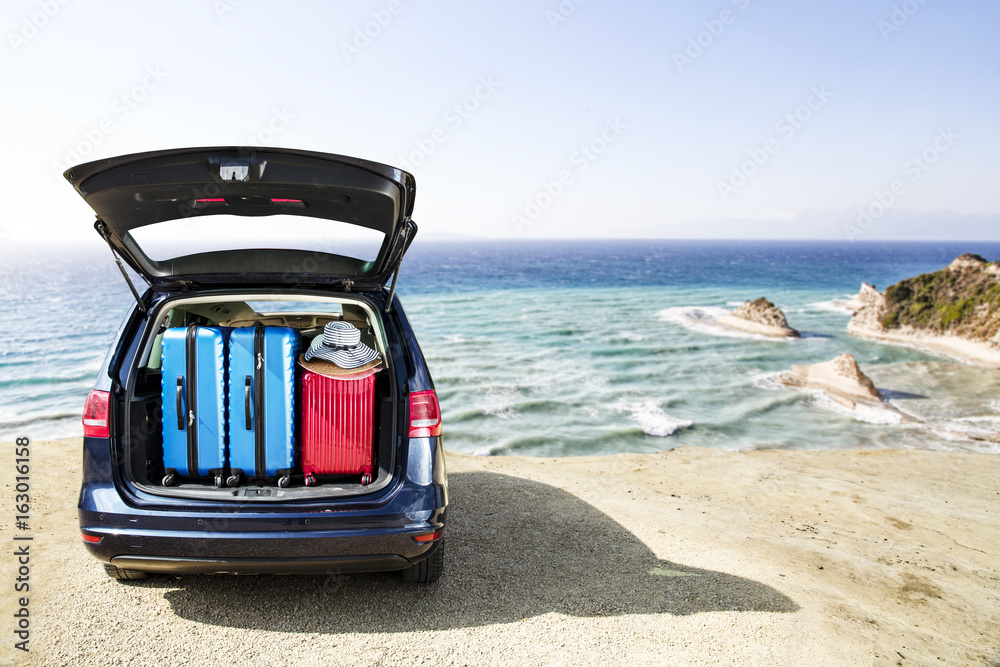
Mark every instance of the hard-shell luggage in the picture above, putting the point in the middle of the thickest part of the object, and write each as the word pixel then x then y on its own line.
pixel 194 403
pixel 337 429
pixel 262 403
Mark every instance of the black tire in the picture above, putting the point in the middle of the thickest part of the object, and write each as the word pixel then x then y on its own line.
pixel 428 570
pixel 124 575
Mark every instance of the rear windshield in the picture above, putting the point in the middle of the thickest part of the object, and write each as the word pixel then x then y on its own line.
pixel 212 233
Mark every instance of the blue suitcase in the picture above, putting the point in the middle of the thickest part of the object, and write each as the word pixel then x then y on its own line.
pixel 262 403
pixel 194 403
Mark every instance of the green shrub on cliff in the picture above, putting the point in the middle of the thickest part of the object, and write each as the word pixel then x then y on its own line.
pixel 963 299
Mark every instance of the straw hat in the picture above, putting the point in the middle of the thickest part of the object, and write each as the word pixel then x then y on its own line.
pixel 321 367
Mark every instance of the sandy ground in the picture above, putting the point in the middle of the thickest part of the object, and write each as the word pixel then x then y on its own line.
pixel 974 352
pixel 693 556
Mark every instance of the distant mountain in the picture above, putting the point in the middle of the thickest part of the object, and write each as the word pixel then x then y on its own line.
pixel 868 224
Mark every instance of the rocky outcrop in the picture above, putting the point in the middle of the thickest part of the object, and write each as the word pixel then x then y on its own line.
pixel 970 262
pixel 840 379
pixel 759 317
pixel 954 311
pixel 870 309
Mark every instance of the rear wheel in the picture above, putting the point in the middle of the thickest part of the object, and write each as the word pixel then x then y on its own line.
pixel 428 570
pixel 124 575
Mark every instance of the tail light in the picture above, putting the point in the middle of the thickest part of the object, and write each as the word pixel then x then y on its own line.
pixel 95 415
pixel 430 537
pixel 92 539
pixel 425 414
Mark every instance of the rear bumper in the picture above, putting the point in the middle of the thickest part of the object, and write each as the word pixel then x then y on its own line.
pixel 329 566
pixel 192 552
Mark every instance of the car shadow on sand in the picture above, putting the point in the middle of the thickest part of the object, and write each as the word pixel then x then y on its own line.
pixel 515 549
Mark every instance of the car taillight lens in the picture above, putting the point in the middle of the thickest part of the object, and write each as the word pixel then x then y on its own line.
pixel 425 414
pixel 92 539
pixel 95 415
pixel 422 539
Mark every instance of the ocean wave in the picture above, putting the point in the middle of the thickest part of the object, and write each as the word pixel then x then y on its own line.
pixel 701 319
pixel 833 306
pixel 86 376
pixel 38 419
pixel 869 413
pixel 653 420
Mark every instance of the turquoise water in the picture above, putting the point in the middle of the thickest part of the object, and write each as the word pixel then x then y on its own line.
pixel 558 349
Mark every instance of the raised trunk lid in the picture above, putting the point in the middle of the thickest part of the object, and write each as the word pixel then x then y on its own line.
pixel 131 193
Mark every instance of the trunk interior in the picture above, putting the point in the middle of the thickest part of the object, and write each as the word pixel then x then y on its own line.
pixel 144 461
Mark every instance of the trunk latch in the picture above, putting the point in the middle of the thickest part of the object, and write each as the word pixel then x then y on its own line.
pixel 234 168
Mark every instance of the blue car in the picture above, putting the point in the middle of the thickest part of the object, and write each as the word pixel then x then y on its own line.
pixel 283 240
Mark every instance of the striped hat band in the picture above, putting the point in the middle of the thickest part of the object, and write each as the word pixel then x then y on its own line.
pixel 341 345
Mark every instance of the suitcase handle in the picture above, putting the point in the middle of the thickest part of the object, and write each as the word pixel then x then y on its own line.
pixel 247 395
pixel 180 402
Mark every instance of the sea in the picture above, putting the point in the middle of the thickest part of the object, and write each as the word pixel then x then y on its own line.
pixel 566 348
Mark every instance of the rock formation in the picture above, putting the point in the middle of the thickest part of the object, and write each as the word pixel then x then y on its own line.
pixel 840 378
pixel 759 317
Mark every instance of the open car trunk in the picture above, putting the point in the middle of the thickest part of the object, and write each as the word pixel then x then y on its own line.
pixel 143 435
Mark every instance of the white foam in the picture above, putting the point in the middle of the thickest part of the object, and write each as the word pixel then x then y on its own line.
pixel 702 319
pixel 499 402
pixel 833 306
pixel 767 381
pixel 653 420
pixel 869 413
pixel 863 412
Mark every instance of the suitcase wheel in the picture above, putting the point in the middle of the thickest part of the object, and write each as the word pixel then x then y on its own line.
pixel 233 480
pixel 283 482
pixel 366 479
pixel 218 481
pixel 168 479
pixel 310 480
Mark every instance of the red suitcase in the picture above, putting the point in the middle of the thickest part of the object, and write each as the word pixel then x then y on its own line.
pixel 337 426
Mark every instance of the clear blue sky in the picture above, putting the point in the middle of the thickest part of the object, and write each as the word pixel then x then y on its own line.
pixel 688 108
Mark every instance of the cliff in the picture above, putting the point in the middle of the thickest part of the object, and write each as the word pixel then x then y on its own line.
pixel 954 311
